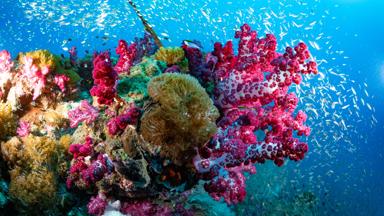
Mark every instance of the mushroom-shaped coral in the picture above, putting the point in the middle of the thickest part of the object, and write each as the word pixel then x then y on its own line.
pixel 179 117
pixel 171 55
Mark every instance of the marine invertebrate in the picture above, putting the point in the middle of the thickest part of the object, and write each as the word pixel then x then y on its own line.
pixel 40 58
pixel 171 55
pixel 133 88
pixel 33 188
pixel 23 129
pixel 8 121
pixel 85 112
pixel 118 124
pixel 180 116
pixel 6 65
pixel 126 56
pixel 252 92
pixel 31 159
pixel 104 78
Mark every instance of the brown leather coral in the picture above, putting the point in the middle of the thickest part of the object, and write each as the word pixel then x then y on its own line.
pixel 179 117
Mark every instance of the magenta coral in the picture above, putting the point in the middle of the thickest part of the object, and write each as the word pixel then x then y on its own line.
pixel 104 78
pixel 127 56
pixel 97 205
pixel 117 124
pixel 23 129
pixel 86 173
pixel 252 92
pixel 144 207
pixel 83 113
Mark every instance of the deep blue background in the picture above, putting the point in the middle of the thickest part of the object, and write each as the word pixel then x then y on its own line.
pixel 352 26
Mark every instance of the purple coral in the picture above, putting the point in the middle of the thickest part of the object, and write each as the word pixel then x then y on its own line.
pixel 97 205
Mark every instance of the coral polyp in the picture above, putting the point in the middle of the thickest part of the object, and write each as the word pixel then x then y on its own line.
pixel 137 136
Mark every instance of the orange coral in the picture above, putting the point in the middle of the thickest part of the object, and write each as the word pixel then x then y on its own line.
pixel 179 117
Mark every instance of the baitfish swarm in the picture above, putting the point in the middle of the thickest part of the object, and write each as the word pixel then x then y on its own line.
pixel 150 124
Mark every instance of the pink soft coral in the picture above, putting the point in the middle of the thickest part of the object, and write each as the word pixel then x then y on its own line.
pixel 36 77
pixel 252 93
pixel 83 113
pixel 5 61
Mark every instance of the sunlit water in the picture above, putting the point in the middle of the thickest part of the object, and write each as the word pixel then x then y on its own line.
pixel 344 102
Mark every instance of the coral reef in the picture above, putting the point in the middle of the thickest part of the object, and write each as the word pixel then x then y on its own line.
pixel 31 159
pixel 91 136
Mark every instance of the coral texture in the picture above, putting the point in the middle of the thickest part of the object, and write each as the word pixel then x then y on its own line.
pixel 252 92
pixel 104 78
pixel 171 56
pixel 180 116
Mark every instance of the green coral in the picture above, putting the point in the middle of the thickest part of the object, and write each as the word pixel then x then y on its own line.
pixel 61 68
pixel 133 88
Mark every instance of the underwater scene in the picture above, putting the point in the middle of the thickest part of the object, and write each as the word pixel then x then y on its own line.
pixel 191 107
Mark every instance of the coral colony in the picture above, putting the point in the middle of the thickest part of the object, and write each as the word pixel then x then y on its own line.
pixel 150 125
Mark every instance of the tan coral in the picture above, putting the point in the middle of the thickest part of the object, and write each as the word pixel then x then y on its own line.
pixel 170 55
pixel 33 188
pixel 180 116
pixel 8 121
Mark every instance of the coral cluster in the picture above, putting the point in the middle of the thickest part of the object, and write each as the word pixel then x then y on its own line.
pixel 139 135
pixel 251 90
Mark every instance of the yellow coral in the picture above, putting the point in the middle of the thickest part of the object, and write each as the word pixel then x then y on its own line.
pixel 65 141
pixel 41 58
pixel 53 118
pixel 179 117
pixel 8 121
pixel 38 150
pixel 33 162
pixel 33 188
pixel 170 55
pixel 11 150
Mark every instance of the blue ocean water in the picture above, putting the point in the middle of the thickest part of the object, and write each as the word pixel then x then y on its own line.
pixel 344 168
